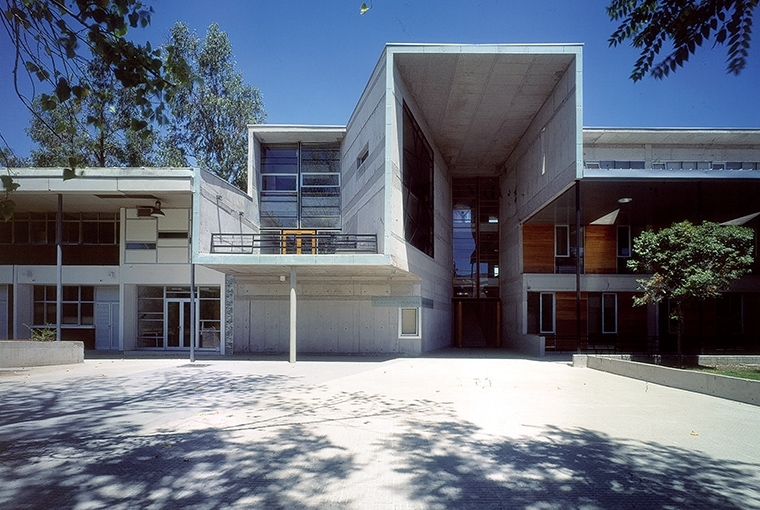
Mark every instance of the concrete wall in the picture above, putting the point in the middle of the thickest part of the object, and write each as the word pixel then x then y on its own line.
pixel 530 345
pixel 25 353
pixel 655 153
pixel 343 316
pixel 545 164
pixel 732 388
pixel 435 274
pixel 233 213
pixel 363 187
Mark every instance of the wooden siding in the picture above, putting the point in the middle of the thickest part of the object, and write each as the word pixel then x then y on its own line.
pixel 538 248
pixel 601 249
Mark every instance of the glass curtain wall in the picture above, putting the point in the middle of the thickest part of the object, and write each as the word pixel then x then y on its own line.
pixel 300 186
pixel 476 237
pixel 475 241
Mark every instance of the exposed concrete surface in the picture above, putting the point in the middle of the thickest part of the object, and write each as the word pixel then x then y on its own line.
pixel 733 388
pixel 27 353
pixel 434 432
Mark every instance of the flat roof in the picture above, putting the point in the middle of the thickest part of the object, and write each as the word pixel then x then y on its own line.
pixel 672 136
pixel 294 133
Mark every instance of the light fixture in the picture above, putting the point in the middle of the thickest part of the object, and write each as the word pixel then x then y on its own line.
pixel 157 212
pixel 624 200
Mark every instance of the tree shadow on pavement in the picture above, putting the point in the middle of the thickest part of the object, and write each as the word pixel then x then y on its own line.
pixel 451 465
pixel 209 439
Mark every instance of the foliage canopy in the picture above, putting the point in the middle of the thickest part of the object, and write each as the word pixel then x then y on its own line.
pixel 210 113
pixel 690 263
pixel 680 27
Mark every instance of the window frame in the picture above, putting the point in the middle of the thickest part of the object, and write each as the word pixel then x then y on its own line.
pixel 296 198
pixel 417 185
pixel 49 299
pixel 614 330
pixel 541 313
pixel 567 241
pixel 417 321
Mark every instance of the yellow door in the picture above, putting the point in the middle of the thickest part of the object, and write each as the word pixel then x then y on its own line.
pixel 298 242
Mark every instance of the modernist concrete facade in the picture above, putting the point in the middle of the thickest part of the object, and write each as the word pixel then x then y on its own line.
pixel 443 213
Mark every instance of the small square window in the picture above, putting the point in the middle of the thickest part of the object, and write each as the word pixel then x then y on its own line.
pixel 362 157
pixel 409 322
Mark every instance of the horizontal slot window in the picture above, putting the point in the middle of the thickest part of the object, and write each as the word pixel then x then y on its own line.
pixel 172 235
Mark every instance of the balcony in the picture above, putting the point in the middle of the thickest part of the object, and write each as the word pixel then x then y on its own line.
pixel 294 243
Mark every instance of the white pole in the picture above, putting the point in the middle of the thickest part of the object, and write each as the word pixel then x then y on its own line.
pixel 193 318
pixel 292 315
pixel 59 269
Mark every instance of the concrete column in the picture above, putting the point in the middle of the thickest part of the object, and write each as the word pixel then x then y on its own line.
pixel 292 315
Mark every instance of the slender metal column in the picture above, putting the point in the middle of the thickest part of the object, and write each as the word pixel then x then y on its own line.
pixel 578 264
pixel 193 325
pixel 292 315
pixel 59 268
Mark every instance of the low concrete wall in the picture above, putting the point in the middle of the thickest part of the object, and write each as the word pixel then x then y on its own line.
pixel 531 345
pixel 731 388
pixel 27 353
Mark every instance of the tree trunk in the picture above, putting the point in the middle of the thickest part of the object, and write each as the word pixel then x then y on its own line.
pixel 679 335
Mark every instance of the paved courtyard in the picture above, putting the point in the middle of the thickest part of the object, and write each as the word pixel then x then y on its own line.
pixel 449 431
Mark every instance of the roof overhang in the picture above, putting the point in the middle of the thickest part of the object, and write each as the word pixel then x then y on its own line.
pixel 293 133
pixel 478 100
pixel 703 138
pixel 101 189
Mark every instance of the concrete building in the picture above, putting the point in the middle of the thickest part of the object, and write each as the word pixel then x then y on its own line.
pixel 463 203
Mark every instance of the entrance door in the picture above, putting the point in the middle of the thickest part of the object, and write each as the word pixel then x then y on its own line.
pixel 177 323
pixel 107 326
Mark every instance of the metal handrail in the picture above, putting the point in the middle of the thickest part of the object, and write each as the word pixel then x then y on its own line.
pixel 293 243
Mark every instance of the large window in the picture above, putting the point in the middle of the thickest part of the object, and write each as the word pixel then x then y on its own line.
pixel 158 312
pixel 475 237
pixel 417 180
pixel 78 228
pixel 77 305
pixel 300 186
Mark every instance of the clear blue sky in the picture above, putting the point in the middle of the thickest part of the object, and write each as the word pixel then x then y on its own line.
pixel 312 59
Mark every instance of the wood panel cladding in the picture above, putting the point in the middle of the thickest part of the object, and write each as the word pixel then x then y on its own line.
pixel 601 249
pixel 538 248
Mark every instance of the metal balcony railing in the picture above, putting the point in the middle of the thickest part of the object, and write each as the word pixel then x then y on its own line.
pixel 293 243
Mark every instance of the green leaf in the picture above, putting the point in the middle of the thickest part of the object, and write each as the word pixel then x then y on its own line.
pixel 7 206
pixel 69 173
pixel 8 183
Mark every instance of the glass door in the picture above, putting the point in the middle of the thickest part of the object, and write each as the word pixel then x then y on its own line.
pixel 177 323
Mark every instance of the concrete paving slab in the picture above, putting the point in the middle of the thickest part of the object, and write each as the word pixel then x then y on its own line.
pixel 440 432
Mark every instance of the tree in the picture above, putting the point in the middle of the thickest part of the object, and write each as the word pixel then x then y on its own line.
pixel 690 263
pixel 210 113
pixel 53 40
pixel 682 26
pixel 102 120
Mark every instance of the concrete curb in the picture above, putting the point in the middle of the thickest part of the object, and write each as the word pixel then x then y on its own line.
pixel 731 388
pixel 28 353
